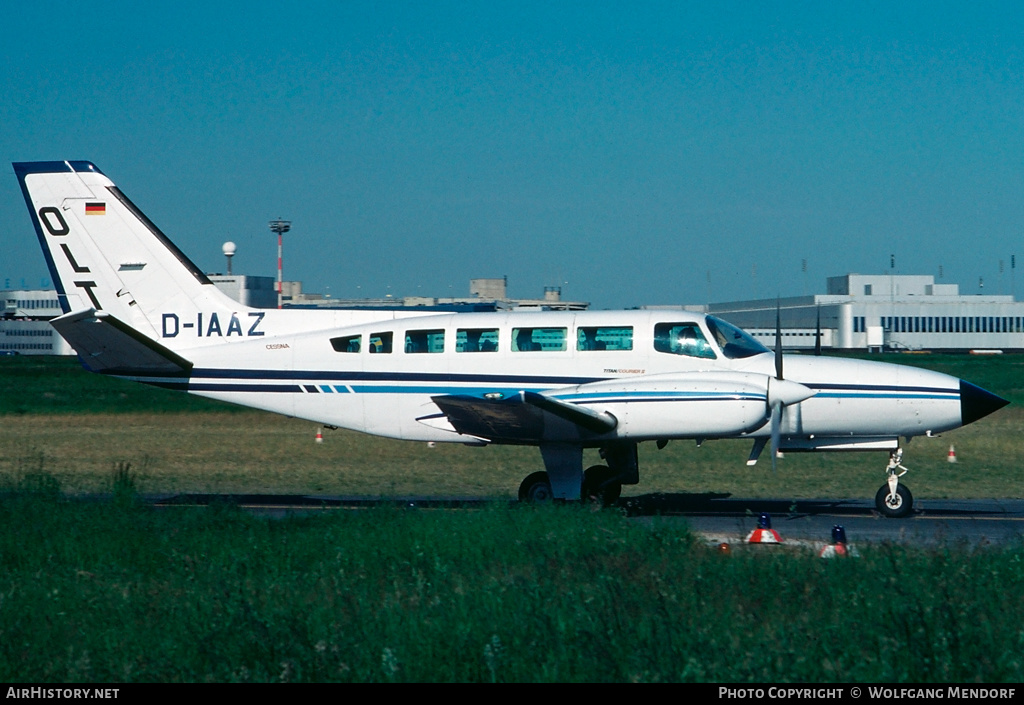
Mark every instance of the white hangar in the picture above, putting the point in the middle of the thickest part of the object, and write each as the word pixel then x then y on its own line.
pixel 885 312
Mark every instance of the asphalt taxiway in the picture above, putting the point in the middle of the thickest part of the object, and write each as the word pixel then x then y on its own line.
pixel 720 518
pixel 974 522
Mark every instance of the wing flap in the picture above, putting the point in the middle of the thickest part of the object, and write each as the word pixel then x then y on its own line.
pixel 108 345
pixel 519 417
pixel 507 419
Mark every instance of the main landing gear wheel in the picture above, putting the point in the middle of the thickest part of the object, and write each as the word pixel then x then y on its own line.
pixel 894 505
pixel 536 488
pixel 597 488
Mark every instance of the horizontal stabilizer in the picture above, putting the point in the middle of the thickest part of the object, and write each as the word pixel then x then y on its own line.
pixel 108 345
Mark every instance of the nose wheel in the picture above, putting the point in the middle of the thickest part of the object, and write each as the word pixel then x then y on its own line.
pixel 894 500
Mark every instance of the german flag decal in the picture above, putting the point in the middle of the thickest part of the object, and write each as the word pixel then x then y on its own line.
pixel 95 208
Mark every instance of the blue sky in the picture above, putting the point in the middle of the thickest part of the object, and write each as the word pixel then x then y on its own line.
pixel 632 153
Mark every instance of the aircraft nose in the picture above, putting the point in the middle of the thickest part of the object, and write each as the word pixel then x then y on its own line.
pixel 975 402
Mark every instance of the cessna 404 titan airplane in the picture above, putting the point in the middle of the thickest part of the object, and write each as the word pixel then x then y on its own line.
pixel 136 307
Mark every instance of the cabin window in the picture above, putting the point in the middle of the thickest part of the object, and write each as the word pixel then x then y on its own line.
pixel 476 340
pixel 539 339
pixel 380 342
pixel 604 338
pixel 682 339
pixel 347 343
pixel 424 341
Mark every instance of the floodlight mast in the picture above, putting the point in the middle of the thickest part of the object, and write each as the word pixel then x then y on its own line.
pixel 280 227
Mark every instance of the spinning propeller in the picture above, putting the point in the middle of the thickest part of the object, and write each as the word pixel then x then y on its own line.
pixel 781 393
pixel 776 403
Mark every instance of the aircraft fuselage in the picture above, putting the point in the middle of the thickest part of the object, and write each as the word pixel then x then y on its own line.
pixel 654 394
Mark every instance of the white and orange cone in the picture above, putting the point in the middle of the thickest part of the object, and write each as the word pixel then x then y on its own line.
pixel 952 455
pixel 838 548
pixel 764 533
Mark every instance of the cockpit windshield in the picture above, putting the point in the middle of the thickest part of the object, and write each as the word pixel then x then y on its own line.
pixel 734 342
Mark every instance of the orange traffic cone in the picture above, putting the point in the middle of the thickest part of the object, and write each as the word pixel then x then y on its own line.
pixel 319 435
pixel 952 455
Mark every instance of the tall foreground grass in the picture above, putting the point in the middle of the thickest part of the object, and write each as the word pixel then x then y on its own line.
pixel 121 592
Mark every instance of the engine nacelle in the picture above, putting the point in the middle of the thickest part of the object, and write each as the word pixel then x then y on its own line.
pixel 681 405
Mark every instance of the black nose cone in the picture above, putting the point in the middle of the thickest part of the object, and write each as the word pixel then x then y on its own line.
pixel 975 402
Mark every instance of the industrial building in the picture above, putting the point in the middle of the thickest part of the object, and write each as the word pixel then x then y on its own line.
pixel 484 295
pixel 257 292
pixel 885 312
pixel 24 323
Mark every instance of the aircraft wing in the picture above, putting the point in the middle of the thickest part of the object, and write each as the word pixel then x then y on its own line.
pixel 519 417
pixel 709 404
pixel 108 345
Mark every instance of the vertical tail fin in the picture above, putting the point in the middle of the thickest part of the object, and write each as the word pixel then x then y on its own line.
pixel 105 254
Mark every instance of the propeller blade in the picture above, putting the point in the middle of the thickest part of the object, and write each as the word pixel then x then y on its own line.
pixel 778 341
pixel 817 335
pixel 780 394
pixel 776 433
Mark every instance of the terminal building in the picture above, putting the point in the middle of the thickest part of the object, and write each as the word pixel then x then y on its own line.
pixel 24 323
pixel 885 313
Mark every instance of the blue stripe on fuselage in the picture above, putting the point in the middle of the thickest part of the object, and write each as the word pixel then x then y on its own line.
pixel 453 383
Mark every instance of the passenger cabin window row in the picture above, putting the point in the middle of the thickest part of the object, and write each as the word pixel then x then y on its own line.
pixel 686 339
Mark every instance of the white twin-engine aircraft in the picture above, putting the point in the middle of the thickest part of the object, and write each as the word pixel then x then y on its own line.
pixel 137 308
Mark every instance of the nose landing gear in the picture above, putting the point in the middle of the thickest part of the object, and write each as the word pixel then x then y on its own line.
pixel 894 500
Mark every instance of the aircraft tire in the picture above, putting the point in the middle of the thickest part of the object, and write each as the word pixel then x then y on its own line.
pixel 899 506
pixel 536 489
pixel 593 478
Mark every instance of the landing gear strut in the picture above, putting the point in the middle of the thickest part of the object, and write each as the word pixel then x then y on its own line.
pixel 600 485
pixel 564 478
pixel 893 499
